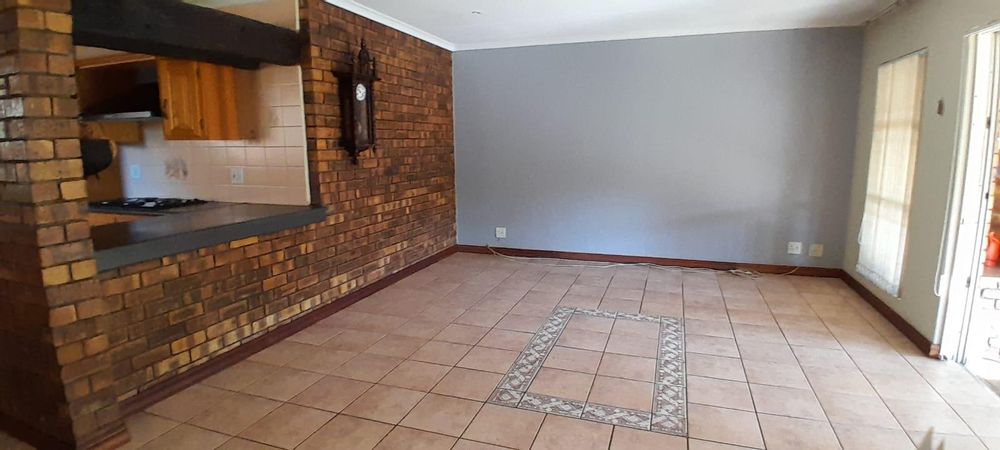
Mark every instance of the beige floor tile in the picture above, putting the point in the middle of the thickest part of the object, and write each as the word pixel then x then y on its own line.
pixel 421 329
pixel 322 360
pixel 927 416
pixel 778 352
pixel 839 381
pixel 622 393
pixel 396 346
pixel 853 437
pixel 909 387
pixel 401 438
pixel 283 383
pixel 724 425
pixel 469 384
pixel 788 433
pixel 331 393
pixel 698 444
pixel 316 334
pixel 282 352
pixel 506 340
pixel 810 337
pixel 488 359
pixel 416 375
pixel 630 367
pixel 386 404
pixel 705 313
pixel 583 339
pixel 574 359
pixel 620 305
pixel 440 313
pixel 287 426
pixel 625 438
pixel 562 383
pixel 461 334
pixel 563 433
pixel 715 367
pixel 517 322
pixel 144 427
pixel 440 352
pixel 239 375
pixel 507 427
pixel 243 444
pixel 465 444
pixel 710 345
pixel 775 374
pixel 822 357
pixel 189 402
pixel 234 413
pixel 984 420
pixel 758 333
pixel 347 433
pixel 857 410
pixel 632 345
pixel 580 301
pixel 934 440
pixel 442 414
pixel 783 401
pixel 716 392
pixel 367 367
pixel 480 318
pixel 523 308
pixel 715 328
pixel 187 437
pixel 752 317
pixel 591 323
pixel 353 340
pixel 662 309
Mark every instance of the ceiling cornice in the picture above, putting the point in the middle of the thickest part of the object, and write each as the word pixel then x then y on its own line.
pixel 392 22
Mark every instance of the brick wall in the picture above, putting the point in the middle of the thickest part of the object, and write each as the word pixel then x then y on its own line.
pixel 393 209
pixel 55 379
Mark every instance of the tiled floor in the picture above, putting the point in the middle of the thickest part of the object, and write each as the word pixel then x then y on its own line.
pixel 786 362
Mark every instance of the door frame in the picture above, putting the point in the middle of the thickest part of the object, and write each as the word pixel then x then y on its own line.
pixel 971 190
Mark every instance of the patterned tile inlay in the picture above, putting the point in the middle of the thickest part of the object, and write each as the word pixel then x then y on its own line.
pixel 669 412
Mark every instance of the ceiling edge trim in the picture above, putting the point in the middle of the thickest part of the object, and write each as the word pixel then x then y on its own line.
pixel 391 22
pixel 535 42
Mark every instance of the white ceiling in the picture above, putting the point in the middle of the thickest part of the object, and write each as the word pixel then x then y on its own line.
pixel 514 23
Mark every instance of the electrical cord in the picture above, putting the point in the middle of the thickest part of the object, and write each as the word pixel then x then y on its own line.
pixel 742 273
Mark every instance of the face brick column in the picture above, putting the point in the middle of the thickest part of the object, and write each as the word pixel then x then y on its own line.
pixel 56 383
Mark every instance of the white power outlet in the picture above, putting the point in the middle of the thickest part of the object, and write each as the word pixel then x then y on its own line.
pixel 236 175
pixel 794 248
pixel 501 232
pixel 134 171
pixel 816 250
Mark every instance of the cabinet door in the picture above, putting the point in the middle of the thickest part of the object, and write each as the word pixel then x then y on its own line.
pixel 181 99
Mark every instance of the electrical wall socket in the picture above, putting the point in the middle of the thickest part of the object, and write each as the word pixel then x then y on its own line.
pixel 236 175
pixel 134 171
pixel 794 248
pixel 501 232
pixel 816 250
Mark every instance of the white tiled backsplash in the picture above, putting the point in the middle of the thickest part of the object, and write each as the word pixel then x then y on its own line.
pixel 274 165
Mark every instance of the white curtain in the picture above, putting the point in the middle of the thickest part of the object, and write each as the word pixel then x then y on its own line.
pixel 895 138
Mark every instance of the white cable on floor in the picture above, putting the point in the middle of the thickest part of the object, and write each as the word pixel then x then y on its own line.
pixel 742 273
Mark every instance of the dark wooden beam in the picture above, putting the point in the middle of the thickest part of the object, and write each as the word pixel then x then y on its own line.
pixel 179 30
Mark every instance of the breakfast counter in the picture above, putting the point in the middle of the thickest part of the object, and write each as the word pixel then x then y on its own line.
pixel 190 228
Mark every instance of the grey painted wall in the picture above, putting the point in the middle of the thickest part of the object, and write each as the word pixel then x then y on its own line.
pixel 719 147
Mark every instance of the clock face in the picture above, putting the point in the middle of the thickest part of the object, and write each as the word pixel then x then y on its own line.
pixel 360 92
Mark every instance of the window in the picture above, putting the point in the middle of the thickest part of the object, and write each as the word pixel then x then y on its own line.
pixel 895 137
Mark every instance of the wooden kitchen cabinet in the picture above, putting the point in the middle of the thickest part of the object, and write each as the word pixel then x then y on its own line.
pixel 202 101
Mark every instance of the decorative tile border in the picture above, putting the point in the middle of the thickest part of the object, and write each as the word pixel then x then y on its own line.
pixel 669 412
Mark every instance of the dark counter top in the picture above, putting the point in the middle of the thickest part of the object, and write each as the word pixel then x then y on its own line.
pixel 191 228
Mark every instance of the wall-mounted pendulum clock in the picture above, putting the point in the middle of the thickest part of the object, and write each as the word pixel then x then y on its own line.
pixel 357 103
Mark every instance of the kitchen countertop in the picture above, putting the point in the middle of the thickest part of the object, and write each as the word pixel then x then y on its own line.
pixel 192 227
